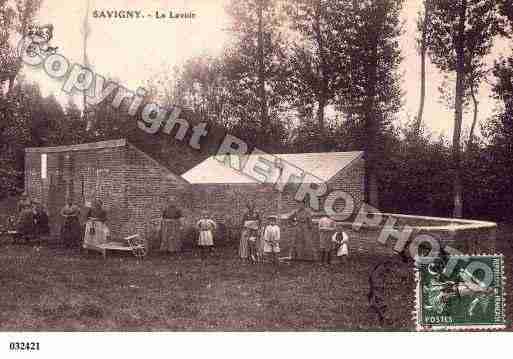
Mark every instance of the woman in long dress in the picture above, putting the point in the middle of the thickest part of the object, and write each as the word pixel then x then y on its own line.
pixel 303 233
pixel 250 223
pixel 96 231
pixel 25 225
pixel 326 230
pixel 171 229
pixel 70 230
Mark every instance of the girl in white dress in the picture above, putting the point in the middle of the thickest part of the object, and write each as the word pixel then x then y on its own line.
pixel 206 227
pixel 342 240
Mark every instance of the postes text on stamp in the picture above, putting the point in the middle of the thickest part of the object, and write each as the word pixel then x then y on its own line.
pixel 460 293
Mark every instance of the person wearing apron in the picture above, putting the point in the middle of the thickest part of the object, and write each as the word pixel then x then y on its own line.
pixel 96 231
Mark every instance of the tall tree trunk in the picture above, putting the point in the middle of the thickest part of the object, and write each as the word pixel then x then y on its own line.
pixel 474 120
pixel 423 50
pixel 322 88
pixel 261 72
pixel 371 124
pixel 352 67
pixel 371 118
pixel 458 112
pixel 321 102
pixel 85 29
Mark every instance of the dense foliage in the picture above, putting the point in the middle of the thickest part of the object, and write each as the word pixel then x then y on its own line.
pixel 302 76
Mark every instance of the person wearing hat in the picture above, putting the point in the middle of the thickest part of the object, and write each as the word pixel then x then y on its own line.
pixel 171 229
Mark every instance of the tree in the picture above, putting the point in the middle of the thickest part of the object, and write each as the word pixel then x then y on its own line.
pixel 6 50
pixel 76 127
pixel 506 8
pixel 423 27
pixel 13 19
pixel 462 34
pixel 262 93
pixel 319 60
pixel 415 179
pixel 202 87
pixel 374 96
pixel 255 72
pixel 27 120
pixel 86 30
pixel 498 131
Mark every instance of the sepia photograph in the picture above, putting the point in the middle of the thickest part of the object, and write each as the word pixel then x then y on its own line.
pixel 255 166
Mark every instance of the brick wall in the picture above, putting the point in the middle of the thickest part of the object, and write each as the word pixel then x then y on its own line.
pixel 83 174
pixel 352 181
pixel 468 241
pixel 33 182
pixel 227 202
pixel 132 185
pixel 149 187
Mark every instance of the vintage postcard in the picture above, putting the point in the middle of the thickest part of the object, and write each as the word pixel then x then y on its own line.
pixel 254 166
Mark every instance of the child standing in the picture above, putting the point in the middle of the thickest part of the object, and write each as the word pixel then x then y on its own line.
pixel 272 239
pixel 206 227
pixel 253 242
pixel 342 241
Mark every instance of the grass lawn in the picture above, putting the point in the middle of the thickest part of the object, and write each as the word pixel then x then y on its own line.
pixel 57 289
pixel 52 288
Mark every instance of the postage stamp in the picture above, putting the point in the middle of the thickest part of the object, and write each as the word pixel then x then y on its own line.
pixel 460 293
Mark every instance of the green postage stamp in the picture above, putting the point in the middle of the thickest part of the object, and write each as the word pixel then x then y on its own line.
pixel 460 293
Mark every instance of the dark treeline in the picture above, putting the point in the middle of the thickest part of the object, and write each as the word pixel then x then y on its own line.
pixel 316 75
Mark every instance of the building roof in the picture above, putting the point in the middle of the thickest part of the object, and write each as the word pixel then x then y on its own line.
pixel 322 166
pixel 80 147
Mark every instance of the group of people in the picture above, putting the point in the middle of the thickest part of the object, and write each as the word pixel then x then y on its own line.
pixel 32 221
pixel 95 231
pixel 260 238
pixel 260 241
pixel 171 230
